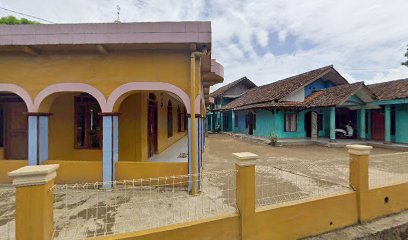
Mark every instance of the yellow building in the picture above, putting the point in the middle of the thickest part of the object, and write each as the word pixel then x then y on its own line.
pixel 93 96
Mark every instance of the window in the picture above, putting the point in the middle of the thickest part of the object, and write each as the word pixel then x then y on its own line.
pixel 290 122
pixel 236 121
pixel 169 120
pixel 178 119
pixel 88 123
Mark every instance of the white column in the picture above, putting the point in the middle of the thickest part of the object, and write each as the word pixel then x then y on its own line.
pixel 43 138
pixel 110 147
pixel 32 140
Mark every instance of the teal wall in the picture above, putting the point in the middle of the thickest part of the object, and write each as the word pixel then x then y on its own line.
pixel 280 125
pixel 401 123
pixel 264 123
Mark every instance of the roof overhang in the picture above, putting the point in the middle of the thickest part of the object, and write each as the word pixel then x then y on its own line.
pixel 214 76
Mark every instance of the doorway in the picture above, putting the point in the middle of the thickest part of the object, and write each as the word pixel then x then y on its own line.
pixel 14 125
pixel 250 123
pixel 377 126
pixel 152 125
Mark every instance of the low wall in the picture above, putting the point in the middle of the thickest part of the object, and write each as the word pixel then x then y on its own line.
pixel 385 200
pixel 77 171
pixel 7 166
pixel 135 170
pixel 306 218
pixel 222 227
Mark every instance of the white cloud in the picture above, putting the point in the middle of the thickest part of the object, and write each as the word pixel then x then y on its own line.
pixel 365 39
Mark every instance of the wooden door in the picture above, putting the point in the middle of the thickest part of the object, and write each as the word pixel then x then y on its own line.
pixel 16 146
pixel 377 126
pixel 152 127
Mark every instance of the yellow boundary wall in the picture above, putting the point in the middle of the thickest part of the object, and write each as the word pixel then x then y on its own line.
pixel 135 170
pixel 91 171
pixel 306 218
pixel 7 166
pixel 222 227
pixel 77 171
pixel 297 219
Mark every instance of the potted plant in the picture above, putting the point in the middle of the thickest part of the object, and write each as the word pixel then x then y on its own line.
pixel 273 140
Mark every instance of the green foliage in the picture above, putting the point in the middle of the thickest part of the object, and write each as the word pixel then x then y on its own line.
pixel 274 139
pixel 406 62
pixel 11 20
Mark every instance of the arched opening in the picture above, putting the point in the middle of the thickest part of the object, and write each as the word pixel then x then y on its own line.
pixel 147 128
pixel 74 126
pixel 13 127
pixel 152 125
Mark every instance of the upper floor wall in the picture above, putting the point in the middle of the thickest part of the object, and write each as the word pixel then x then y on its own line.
pixel 106 73
pixel 317 85
pixel 103 59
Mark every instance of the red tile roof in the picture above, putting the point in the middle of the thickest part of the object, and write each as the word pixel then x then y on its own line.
pixel 277 90
pixel 225 88
pixel 396 89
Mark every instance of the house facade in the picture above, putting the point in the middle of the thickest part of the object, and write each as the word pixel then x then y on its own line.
pixel 323 104
pixel 221 97
pixel 102 99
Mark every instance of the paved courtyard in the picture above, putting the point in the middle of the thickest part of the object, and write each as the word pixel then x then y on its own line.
pixel 283 174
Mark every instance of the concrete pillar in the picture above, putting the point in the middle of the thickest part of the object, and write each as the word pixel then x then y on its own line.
pixel 387 123
pixel 34 201
pixel 363 122
pixel 233 121
pixel 359 155
pixel 37 138
pixel 193 154
pixel 332 124
pixel 32 140
pixel 110 145
pixel 245 183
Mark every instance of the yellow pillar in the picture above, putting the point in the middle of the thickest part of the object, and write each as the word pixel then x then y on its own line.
pixel 193 127
pixel 245 181
pixel 34 201
pixel 359 155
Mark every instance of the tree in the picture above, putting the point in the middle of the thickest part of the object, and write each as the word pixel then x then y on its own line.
pixel 406 62
pixel 11 20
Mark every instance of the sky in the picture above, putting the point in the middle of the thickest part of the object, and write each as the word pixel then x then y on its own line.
pixel 266 40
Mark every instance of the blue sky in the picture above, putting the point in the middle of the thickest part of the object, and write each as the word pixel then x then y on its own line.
pixel 268 40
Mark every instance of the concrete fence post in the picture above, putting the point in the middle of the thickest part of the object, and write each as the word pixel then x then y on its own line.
pixel 34 201
pixel 245 181
pixel 359 155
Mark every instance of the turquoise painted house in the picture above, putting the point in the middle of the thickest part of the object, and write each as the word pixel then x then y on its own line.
pixel 221 97
pixel 319 104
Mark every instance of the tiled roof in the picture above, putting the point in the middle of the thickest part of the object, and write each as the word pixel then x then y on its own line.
pixel 225 88
pixel 324 98
pixel 396 89
pixel 282 88
pixel 332 96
